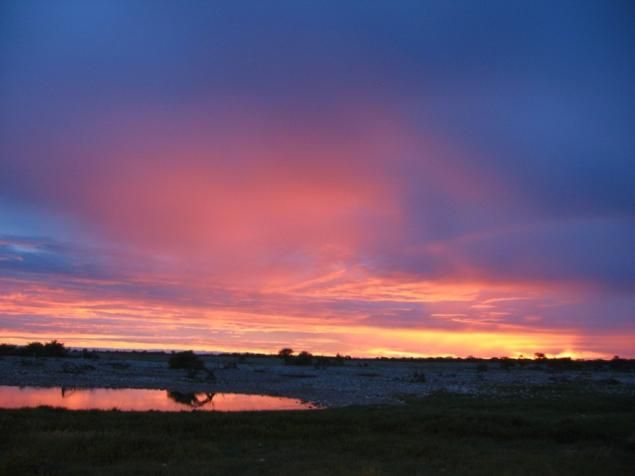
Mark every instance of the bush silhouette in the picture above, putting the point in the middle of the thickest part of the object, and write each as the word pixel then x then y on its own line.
pixel 303 358
pixel 55 349
pixel 50 349
pixel 186 360
pixel 33 349
pixel 286 355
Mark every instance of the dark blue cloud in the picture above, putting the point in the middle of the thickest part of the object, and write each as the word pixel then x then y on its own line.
pixel 21 255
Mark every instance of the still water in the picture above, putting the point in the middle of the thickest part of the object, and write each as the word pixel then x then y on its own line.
pixel 129 399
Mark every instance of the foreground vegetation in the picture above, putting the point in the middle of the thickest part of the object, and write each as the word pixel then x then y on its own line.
pixel 555 430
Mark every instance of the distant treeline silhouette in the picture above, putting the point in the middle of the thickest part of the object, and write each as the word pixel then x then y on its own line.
pixel 306 358
pixel 53 348
pixel 191 361
pixel 35 349
pixel 540 361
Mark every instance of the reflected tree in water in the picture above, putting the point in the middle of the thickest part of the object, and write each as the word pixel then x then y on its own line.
pixel 194 400
pixel 68 391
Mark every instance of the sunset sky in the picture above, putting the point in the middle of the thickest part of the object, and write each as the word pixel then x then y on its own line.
pixel 365 177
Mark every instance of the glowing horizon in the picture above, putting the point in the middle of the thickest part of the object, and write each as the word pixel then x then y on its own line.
pixel 365 180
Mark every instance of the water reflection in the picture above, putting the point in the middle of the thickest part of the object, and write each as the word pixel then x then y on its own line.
pixel 194 400
pixel 142 400
pixel 66 391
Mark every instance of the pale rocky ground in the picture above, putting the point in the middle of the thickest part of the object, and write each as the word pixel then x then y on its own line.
pixel 356 382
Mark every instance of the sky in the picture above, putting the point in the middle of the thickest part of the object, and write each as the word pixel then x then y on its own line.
pixel 374 178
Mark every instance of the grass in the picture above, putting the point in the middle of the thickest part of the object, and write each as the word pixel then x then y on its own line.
pixel 568 432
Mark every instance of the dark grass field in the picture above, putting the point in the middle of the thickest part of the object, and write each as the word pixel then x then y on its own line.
pixel 553 431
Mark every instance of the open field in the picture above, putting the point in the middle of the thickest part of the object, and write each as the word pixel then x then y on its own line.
pixel 554 430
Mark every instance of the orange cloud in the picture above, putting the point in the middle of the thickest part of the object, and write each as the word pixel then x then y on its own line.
pixel 81 319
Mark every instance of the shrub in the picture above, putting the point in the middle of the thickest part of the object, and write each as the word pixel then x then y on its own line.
pixel 303 358
pixel 50 349
pixel 186 360
pixel 33 349
pixel 286 354
pixel 55 349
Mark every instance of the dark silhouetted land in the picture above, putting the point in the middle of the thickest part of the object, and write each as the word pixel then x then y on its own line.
pixel 385 416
